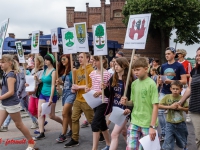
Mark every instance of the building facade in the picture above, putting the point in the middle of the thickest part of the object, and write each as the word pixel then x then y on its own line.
pixel 116 30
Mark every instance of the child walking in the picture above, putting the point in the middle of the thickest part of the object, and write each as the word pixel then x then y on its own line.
pixel 144 97
pixel 99 120
pixel 115 91
pixel 176 128
pixel 9 101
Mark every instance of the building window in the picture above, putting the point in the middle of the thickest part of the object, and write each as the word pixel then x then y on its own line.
pixel 117 14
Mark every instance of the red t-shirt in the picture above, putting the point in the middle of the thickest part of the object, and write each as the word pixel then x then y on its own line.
pixel 187 66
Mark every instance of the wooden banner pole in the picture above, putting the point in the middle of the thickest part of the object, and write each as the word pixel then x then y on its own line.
pixel 35 63
pixel 71 59
pixel 56 58
pixel 86 79
pixel 129 73
pixel 101 61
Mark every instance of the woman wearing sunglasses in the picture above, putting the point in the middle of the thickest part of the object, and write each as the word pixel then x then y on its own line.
pixel 65 74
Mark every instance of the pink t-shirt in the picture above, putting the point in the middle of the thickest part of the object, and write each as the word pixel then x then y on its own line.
pixel 96 81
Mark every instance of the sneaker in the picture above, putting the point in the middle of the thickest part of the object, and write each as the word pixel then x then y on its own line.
pixel 62 138
pixel 37 131
pixel 45 123
pixel 185 148
pixel 188 119
pixel 106 148
pixel 85 124
pixel 69 134
pixel 101 139
pixel 3 129
pixel 72 143
pixel 39 137
pixel 34 125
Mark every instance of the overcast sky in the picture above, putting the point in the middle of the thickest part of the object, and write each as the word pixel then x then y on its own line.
pixel 30 15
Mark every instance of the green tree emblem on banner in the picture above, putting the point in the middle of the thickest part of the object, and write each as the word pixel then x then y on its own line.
pixel 69 36
pixel 99 33
pixel 2 30
pixel 35 40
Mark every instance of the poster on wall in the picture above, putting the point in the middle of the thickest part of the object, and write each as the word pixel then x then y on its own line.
pixel 137 31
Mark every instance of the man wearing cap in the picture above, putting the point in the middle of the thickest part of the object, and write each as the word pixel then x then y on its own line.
pixel 181 53
pixel 119 54
pixel 170 71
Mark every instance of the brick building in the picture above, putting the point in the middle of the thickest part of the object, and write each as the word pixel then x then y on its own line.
pixel 116 30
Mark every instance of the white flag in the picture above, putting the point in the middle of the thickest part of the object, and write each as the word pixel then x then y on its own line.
pixel 3 30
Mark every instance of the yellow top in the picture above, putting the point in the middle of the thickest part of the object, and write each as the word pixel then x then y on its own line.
pixel 80 80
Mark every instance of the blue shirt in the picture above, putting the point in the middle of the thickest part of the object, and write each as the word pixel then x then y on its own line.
pixel 118 93
pixel 173 72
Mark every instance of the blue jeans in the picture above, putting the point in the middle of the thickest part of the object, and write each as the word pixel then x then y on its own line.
pixel 24 104
pixel 161 116
pixel 175 131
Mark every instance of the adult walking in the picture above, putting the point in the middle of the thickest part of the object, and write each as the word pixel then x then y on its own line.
pixel 192 91
pixel 65 73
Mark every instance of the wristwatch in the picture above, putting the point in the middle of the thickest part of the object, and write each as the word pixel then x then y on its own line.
pixel 154 127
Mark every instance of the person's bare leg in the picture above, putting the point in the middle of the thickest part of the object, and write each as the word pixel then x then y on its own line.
pixel 3 116
pixel 53 116
pixel 106 135
pixel 115 135
pixel 96 136
pixel 67 112
pixel 41 119
pixel 16 117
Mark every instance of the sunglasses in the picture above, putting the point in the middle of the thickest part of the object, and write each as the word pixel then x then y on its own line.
pixel 63 59
pixel 171 49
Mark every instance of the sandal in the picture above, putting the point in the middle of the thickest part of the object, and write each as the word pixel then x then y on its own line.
pixel 30 148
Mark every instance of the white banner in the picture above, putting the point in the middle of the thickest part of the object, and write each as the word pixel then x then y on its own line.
pixel 35 42
pixel 3 30
pixel 54 40
pixel 20 51
pixel 81 37
pixel 100 39
pixel 68 41
pixel 137 31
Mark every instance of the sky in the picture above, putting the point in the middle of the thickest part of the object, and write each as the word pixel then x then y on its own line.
pixel 31 15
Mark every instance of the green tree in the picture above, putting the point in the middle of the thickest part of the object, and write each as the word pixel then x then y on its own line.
pixel 167 15
pixel 69 36
pixel 99 32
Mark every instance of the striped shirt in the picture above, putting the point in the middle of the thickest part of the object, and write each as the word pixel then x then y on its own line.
pixel 194 104
pixel 96 81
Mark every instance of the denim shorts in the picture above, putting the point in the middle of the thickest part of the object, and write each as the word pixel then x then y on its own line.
pixel 175 131
pixel 46 98
pixel 68 98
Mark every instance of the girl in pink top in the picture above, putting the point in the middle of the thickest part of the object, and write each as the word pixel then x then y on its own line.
pixel 99 121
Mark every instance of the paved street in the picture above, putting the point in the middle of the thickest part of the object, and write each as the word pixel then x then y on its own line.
pixel 53 130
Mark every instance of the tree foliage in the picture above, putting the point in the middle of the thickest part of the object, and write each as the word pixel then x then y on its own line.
pixel 182 15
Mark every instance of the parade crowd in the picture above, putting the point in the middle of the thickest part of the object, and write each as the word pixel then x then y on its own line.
pixel 156 99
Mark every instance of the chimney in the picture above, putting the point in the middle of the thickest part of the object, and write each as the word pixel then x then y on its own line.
pixel 11 35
